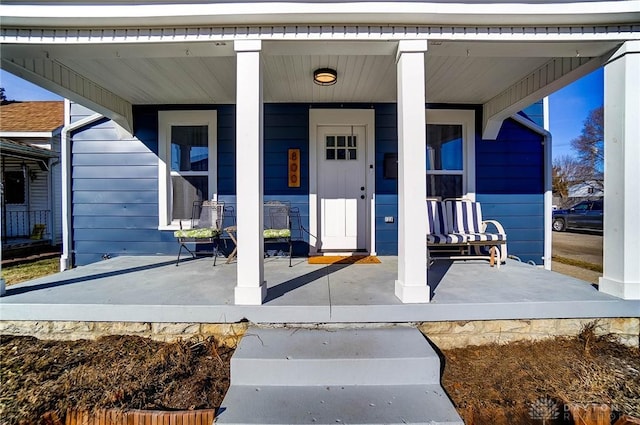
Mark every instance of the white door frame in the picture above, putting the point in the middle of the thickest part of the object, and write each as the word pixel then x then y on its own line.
pixel 342 117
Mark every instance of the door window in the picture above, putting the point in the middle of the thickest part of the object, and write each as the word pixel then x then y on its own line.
pixel 341 147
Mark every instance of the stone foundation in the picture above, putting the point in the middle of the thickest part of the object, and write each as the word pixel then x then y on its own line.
pixel 445 335
pixel 225 333
pixel 448 335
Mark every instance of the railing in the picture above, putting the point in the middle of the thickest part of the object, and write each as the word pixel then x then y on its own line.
pixel 26 224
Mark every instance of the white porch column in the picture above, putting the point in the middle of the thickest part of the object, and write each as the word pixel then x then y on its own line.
pixel 621 164
pixel 251 288
pixel 411 286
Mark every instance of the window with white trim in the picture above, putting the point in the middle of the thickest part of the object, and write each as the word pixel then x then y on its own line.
pixel 450 149
pixel 187 164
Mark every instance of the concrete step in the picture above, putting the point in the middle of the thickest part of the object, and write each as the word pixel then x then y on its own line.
pixel 394 356
pixel 356 376
pixel 380 404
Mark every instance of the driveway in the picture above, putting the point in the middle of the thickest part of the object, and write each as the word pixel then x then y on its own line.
pixel 580 246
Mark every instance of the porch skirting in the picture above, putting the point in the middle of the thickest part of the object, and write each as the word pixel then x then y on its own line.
pixel 444 334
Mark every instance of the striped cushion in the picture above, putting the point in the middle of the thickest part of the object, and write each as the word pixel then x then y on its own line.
pixel 486 237
pixel 445 239
pixel 276 233
pixel 197 233
pixel 464 217
pixel 436 221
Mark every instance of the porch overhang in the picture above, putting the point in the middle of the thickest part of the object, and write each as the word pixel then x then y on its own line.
pixel 545 80
pixel 110 69
pixel 24 151
pixel 68 83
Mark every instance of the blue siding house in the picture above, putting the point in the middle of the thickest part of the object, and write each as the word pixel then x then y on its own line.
pixel 115 180
pixel 382 103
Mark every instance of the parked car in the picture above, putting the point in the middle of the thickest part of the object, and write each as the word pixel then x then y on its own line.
pixel 584 215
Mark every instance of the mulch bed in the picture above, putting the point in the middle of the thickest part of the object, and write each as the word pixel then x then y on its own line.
pixel 511 384
pixel 125 372
pixel 493 384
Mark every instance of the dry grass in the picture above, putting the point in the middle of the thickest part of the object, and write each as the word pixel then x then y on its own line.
pixel 578 263
pixel 493 384
pixel 28 271
pixel 113 372
pixel 498 384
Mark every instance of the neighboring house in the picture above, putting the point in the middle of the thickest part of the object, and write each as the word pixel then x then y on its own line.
pixel 591 189
pixel 582 191
pixel 31 178
pixel 412 99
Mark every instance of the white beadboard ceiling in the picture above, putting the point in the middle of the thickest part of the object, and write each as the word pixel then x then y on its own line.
pixel 456 72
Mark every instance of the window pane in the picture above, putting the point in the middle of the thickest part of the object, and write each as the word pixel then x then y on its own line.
pixel 331 141
pixel 186 190
pixel 444 147
pixel 351 141
pixel 331 154
pixel 189 148
pixel 342 154
pixel 341 141
pixel 352 154
pixel 14 188
pixel 444 186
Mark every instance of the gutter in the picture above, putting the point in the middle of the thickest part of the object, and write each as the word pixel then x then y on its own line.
pixel 113 13
pixel 52 198
pixel 66 260
pixel 548 190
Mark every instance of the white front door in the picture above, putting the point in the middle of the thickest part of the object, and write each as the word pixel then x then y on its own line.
pixel 342 191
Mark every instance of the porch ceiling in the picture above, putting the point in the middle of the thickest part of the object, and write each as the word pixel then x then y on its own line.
pixel 202 73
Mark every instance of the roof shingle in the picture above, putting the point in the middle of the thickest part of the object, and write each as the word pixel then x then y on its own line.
pixel 31 116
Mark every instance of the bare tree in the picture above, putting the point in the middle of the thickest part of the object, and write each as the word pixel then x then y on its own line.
pixel 590 144
pixel 568 171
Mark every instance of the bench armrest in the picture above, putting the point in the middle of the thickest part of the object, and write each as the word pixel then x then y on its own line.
pixel 496 224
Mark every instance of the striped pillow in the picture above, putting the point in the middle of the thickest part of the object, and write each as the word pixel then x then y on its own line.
pixel 436 222
pixel 464 217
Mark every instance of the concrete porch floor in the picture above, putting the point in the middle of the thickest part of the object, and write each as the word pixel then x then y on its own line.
pixel 153 289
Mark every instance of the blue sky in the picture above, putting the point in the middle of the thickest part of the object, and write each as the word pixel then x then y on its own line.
pixel 568 107
pixel 18 89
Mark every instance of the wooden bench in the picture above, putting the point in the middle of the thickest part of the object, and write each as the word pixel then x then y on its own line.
pixel 457 227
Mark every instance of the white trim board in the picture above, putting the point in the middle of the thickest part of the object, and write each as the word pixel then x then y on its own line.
pixel 435 12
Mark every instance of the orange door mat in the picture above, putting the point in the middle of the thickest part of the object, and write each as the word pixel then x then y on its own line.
pixel 340 259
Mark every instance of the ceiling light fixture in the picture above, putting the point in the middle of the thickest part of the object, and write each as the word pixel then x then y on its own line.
pixel 325 76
